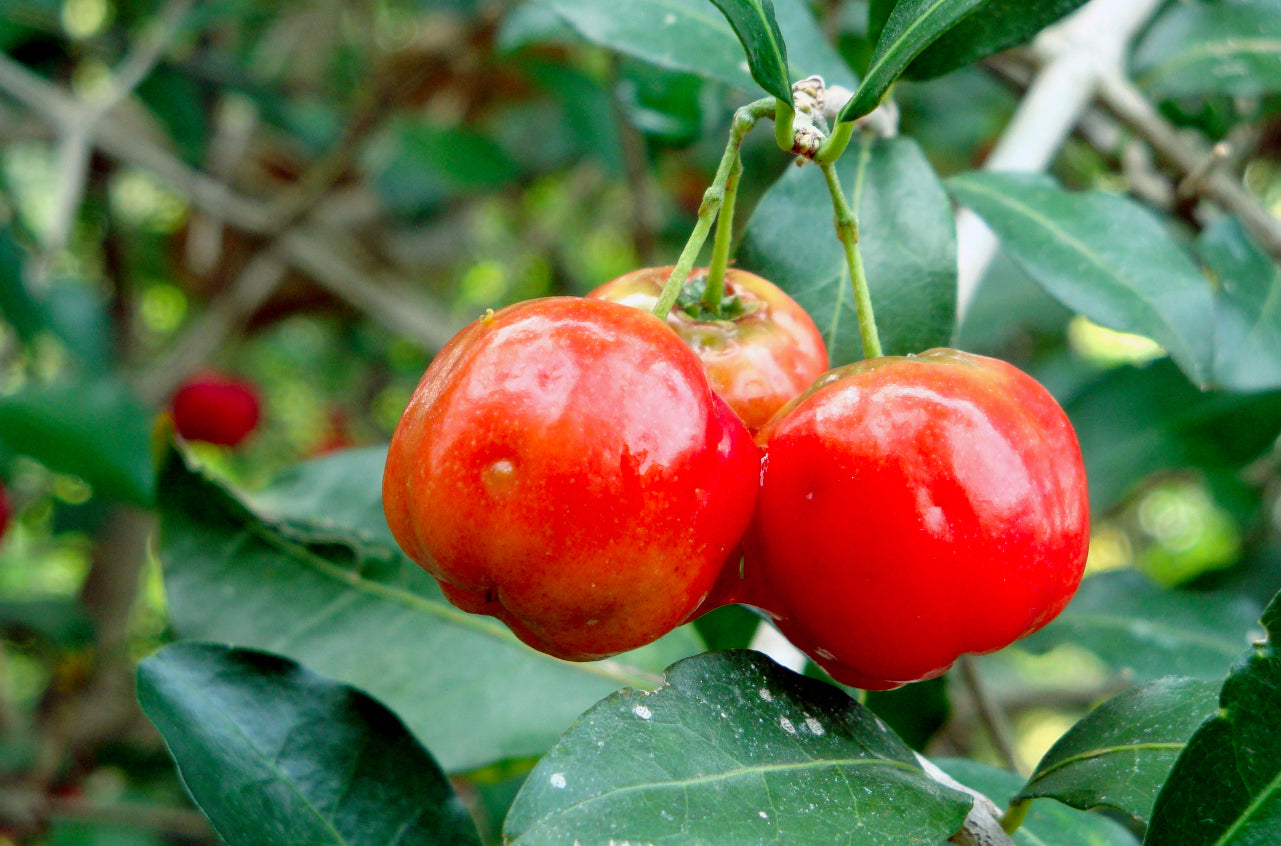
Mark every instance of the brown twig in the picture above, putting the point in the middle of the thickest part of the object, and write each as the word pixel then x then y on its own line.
pixel 993 718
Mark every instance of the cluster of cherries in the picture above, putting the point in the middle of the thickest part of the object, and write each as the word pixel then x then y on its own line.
pixel 594 476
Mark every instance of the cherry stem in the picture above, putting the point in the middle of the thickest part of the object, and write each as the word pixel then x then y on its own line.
pixel 744 119
pixel 847 232
pixel 715 290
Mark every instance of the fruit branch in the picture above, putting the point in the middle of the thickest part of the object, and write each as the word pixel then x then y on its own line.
pixel 847 231
pixel 713 199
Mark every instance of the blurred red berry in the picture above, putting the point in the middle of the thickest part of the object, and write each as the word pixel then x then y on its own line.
pixel 215 408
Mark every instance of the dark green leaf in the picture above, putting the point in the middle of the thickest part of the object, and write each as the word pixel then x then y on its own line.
pixel 1204 49
pixel 733 749
pixel 757 30
pixel 1247 354
pixel 75 313
pixel 273 753
pixel 1120 754
pixel 1132 422
pixel 1151 631
pixel 995 26
pixel 1048 823
pixel 689 36
pixel 418 166
pixel 361 612
pixel 906 232
pixel 1225 788
pixel 62 426
pixel 915 711
pixel 63 622
pixel 911 27
pixel 1102 255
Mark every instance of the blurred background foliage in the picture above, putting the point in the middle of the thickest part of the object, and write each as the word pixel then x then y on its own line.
pixel 315 195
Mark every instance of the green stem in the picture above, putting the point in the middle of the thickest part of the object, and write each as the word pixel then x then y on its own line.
pixel 715 290
pixel 847 231
pixel 744 119
pixel 832 147
pixel 1014 815
pixel 784 132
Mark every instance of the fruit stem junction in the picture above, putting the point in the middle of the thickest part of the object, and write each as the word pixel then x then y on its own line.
pixel 847 232
pixel 713 199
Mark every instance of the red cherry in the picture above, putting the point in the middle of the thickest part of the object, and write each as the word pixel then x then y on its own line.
pixel 215 408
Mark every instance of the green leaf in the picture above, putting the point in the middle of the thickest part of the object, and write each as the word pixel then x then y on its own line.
pixel 1225 788
pixel 733 749
pixel 1120 753
pixel 320 584
pixel 1102 255
pixel 688 35
pixel 906 233
pixel 995 26
pixel 74 312
pixel 1150 631
pixel 60 621
pixel 1247 354
pixel 63 426
pixel 273 753
pixel 418 166
pixel 911 27
pixel 1048 824
pixel 914 711
pixel 757 30
pixel 1132 422
pixel 1206 49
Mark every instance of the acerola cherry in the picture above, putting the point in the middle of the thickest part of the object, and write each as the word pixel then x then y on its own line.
pixel 914 509
pixel 6 509
pixel 565 467
pixel 215 408
pixel 764 349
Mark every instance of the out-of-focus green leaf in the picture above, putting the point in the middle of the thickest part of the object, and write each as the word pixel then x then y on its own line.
pixel 758 32
pixel 915 711
pixel 690 36
pixel 273 753
pixel 1225 789
pixel 906 233
pixel 73 312
pixel 91 428
pixel 1133 422
pixel 176 99
pixel 1247 353
pixel 991 28
pixel 1120 753
pixel 63 622
pixel 1048 824
pixel 317 581
pixel 733 749
pixel 910 27
pixel 417 166
pixel 1102 255
pixel 1134 625
pixel 1211 48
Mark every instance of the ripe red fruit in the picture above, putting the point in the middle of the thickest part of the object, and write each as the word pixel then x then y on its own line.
pixel 215 408
pixel 565 467
pixel 765 351
pixel 914 509
pixel 6 509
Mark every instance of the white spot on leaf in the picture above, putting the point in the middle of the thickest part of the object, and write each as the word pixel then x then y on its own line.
pixel 558 781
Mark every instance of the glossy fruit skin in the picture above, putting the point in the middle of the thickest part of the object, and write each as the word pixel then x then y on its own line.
pixel 565 467
pixel 758 360
pixel 914 509
pixel 215 408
